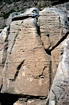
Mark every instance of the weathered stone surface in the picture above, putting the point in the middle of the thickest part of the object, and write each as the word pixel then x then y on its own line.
pixel 1 54
pixel 2 22
pixel 30 55
pixel 3 36
pixel 20 103
pixel 52 24
pixel 26 69
pixel 32 12
pixel 9 19
pixel 55 58
pixel 53 27
pixel 60 87
pixel 36 102
pixel 22 5
pixel 30 102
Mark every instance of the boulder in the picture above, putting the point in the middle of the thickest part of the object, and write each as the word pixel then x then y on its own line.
pixel 3 52
pixel 31 49
pixel 59 91
pixel 53 23
pixel 26 71
pixel 30 102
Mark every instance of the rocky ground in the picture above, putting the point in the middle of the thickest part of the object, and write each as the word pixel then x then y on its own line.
pixel 32 43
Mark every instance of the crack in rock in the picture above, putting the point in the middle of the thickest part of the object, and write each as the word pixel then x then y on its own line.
pixel 61 40
pixel 17 72
pixel 13 42
pixel 41 75
pixel 48 51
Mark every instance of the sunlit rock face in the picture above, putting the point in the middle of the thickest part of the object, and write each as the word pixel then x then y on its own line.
pixel 54 25
pixel 60 87
pixel 27 64
pixel 31 49
pixel 3 51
